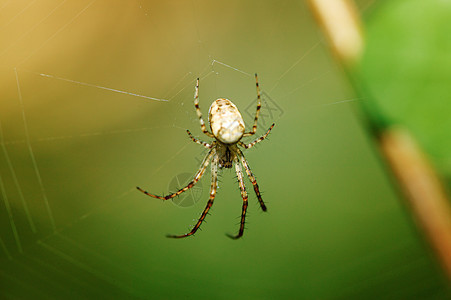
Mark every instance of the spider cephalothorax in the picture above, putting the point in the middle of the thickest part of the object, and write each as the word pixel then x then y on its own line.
pixel 227 127
pixel 226 154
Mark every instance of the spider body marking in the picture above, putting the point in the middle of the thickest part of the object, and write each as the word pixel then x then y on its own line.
pixel 227 126
pixel 226 154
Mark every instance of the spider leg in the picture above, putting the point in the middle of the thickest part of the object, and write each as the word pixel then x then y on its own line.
pixel 206 145
pixel 239 174
pixel 250 145
pixel 199 113
pixel 214 182
pixel 197 177
pixel 259 106
pixel 252 179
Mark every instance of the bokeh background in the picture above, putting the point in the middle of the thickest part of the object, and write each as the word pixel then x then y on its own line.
pixel 96 97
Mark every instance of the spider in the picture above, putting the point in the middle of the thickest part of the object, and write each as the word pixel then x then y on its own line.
pixel 227 129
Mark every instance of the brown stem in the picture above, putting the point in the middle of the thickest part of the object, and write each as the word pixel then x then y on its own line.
pixel 341 25
pixel 423 189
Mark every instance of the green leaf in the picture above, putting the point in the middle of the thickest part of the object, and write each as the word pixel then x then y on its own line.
pixel 407 70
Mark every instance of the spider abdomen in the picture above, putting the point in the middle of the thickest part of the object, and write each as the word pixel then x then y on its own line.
pixel 226 122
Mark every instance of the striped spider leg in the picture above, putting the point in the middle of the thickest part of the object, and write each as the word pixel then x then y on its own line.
pixel 227 129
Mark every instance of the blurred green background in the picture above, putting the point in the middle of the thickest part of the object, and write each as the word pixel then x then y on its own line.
pixel 72 223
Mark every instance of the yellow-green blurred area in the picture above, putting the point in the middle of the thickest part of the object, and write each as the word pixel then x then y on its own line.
pixel 96 97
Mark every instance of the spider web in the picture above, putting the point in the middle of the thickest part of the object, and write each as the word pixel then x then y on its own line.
pixel 97 100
